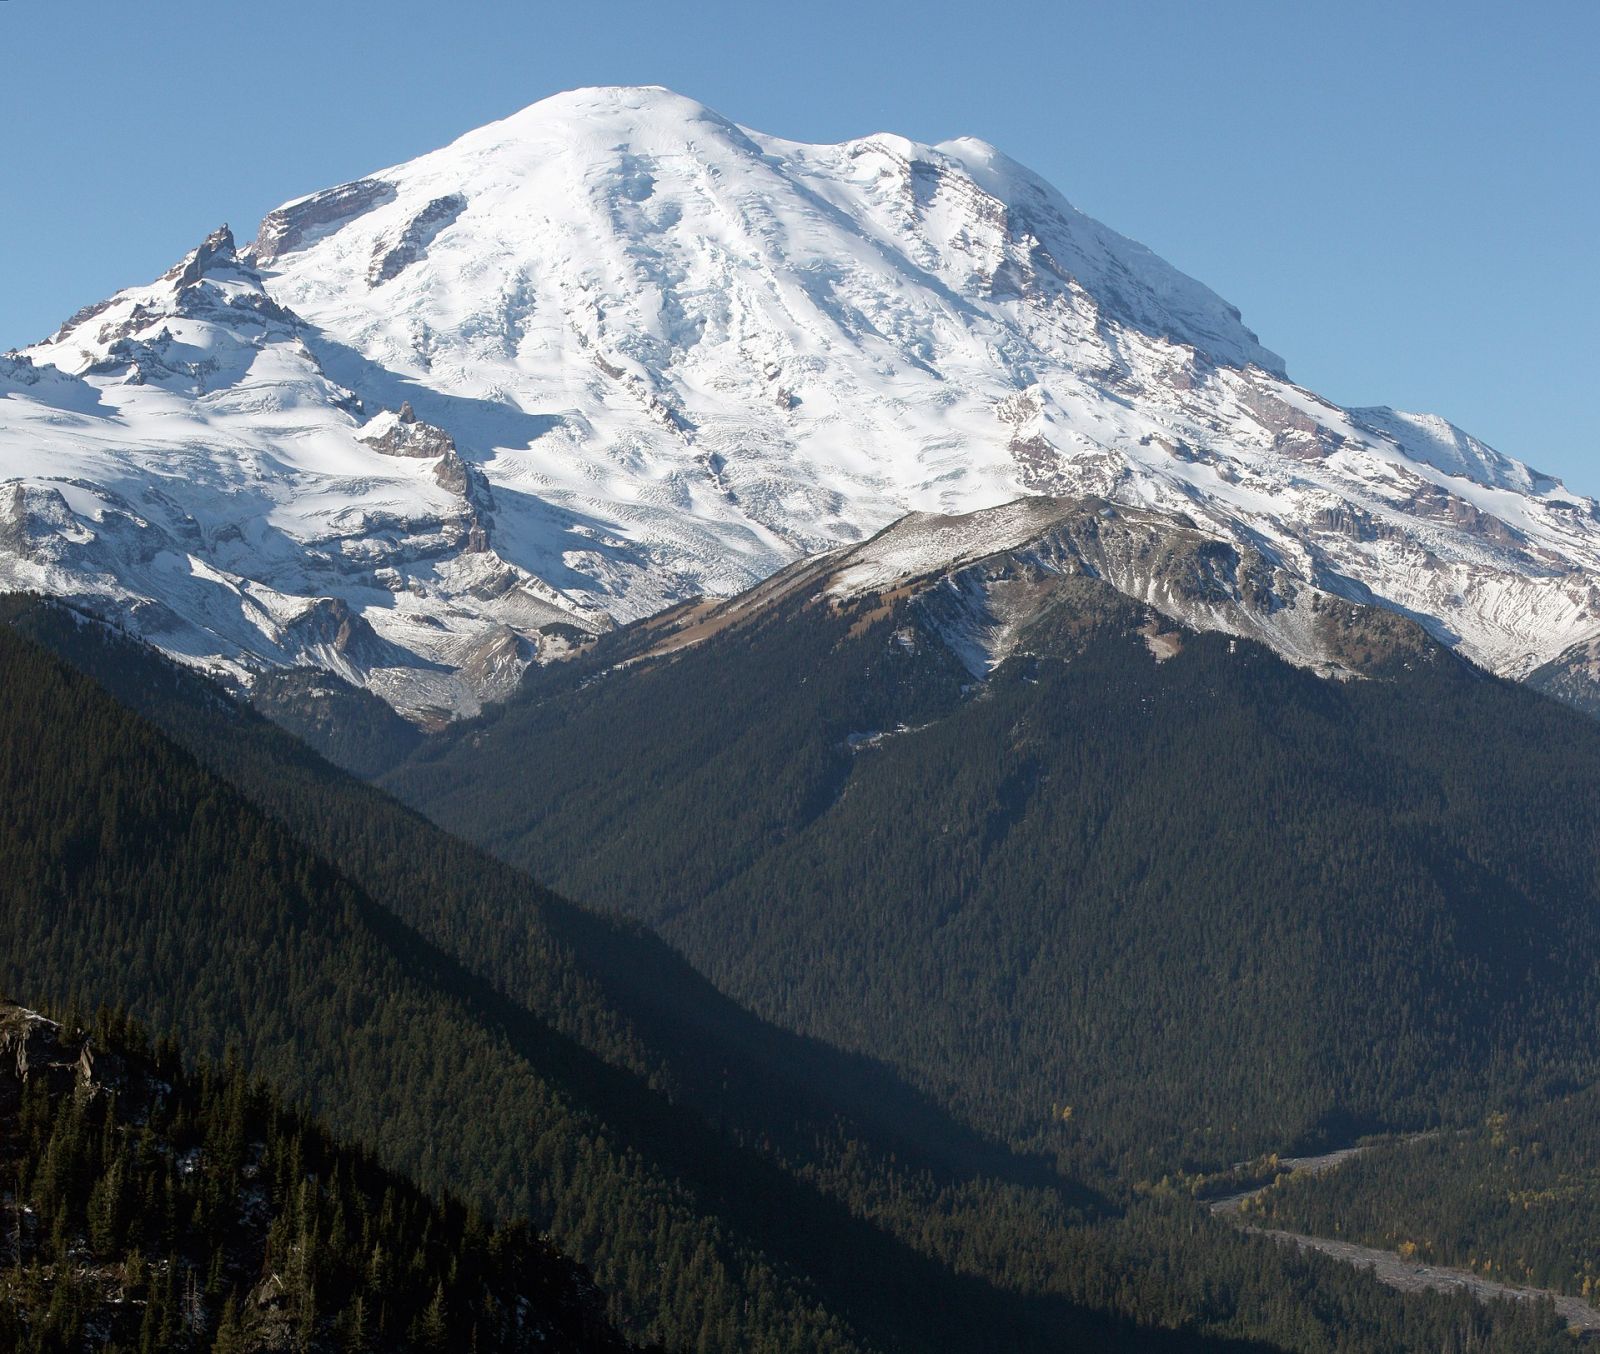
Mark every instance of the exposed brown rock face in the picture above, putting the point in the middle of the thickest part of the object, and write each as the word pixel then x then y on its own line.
pixel 331 623
pixel 288 228
pixel 217 247
pixel 410 436
pixel 391 260
pixel 32 1047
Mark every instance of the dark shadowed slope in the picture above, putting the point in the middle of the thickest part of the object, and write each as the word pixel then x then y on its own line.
pixel 743 1211
pixel 1211 903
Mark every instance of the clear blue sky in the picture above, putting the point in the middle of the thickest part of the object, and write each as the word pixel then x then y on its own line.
pixel 1402 197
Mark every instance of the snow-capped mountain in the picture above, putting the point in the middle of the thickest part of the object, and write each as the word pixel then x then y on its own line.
pixel 615 351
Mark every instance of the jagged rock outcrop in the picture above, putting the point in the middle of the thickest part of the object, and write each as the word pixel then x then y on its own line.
pixel 34 1048
pixel 330 624
pixel 293 225
pixel 390 260
pixel 404 434
pixel 217 247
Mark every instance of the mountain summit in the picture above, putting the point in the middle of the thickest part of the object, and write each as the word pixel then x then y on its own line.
pixel 616 350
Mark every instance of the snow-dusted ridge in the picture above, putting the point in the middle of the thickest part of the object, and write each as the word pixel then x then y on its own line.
pixel 978 581
pixel 645 353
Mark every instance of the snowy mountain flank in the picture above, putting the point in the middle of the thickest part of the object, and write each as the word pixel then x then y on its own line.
pixel 615 351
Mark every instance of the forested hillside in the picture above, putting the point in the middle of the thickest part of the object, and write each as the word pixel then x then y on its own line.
pixel 1162 910
pixel 136 875
pixel 153 1206
pixel 745 1190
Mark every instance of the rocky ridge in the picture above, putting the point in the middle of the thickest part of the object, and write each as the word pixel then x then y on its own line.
pixel 980 580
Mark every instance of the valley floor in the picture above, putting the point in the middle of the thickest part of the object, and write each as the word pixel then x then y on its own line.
pixel 1392 1268
pixel 1316 1165
pixel 1408 1276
